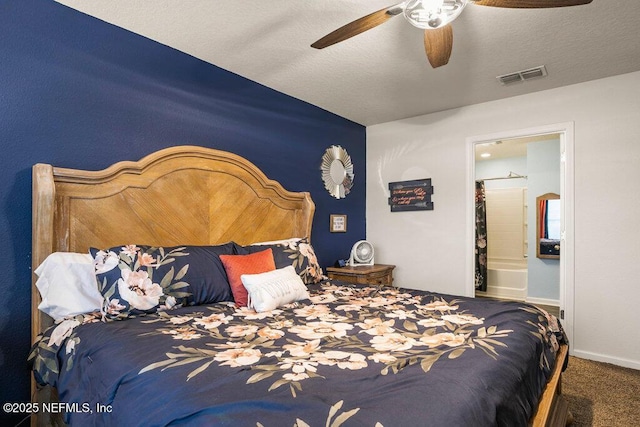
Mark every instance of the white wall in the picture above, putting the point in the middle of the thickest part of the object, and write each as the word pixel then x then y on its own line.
pixel 543 169
pixel 430 247
pixel 495 168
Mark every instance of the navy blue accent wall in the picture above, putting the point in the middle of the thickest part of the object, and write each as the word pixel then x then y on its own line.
pixel 77 92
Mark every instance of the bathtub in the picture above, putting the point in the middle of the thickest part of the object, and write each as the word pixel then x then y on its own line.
pixel 506 279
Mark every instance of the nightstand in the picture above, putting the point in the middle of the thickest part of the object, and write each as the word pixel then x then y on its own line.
pixel 377 274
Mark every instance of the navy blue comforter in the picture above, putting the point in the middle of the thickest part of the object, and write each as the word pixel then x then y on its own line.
pixel 352 356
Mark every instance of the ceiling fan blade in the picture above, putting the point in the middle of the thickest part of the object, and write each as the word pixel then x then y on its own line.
pixel 438 44
pixel 531 4
pixel 359 26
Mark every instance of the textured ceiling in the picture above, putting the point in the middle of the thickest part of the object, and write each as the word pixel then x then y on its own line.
pixel 383 74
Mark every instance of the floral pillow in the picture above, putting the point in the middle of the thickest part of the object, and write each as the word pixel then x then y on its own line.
pixel 296 252
pixel 137 280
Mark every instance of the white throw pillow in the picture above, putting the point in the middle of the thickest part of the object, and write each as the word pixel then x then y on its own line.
pixel 272 289
pixel 67 285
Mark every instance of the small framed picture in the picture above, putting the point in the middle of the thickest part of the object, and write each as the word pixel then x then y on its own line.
pixel 338 224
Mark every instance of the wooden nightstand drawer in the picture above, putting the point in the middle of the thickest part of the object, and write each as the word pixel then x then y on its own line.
pixel 381 279
pixel 346 277
pixel 376 275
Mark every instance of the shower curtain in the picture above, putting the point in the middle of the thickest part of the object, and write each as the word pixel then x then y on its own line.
pixel 481 238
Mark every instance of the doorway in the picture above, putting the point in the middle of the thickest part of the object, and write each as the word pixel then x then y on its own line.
pixel 563 133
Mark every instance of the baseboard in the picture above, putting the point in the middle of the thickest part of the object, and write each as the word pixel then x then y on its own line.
pixel 543 301
pixel 625 363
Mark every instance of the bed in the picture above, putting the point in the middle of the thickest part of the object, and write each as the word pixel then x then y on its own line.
pixel 307 351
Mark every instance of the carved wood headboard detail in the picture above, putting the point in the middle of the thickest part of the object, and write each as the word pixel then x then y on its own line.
pixel 180 195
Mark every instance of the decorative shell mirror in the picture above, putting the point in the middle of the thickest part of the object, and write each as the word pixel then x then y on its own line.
pixel 337 171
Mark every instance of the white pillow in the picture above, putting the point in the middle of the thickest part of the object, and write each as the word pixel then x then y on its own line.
pixel 272 289
pixel 67 285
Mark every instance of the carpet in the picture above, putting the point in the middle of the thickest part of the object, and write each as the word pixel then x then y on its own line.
pixel 601 394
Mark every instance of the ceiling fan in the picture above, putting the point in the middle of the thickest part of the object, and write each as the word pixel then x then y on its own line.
pixel 434 17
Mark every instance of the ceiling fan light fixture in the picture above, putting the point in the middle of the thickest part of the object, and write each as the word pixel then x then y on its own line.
pixel 432 14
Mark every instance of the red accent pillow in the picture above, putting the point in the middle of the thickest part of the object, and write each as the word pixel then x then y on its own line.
pixel 236 265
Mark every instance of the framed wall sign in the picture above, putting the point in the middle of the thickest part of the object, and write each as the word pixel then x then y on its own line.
pixel 411 195
pixel 338 224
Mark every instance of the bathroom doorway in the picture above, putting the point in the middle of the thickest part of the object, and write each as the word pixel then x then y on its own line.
pixel 513 173
pixel 522 169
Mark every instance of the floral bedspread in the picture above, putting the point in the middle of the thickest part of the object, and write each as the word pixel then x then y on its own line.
pixel 352 355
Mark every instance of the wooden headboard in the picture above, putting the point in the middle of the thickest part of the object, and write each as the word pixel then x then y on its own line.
pixel 184 195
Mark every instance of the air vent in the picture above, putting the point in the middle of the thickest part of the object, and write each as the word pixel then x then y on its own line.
pixel 521 76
